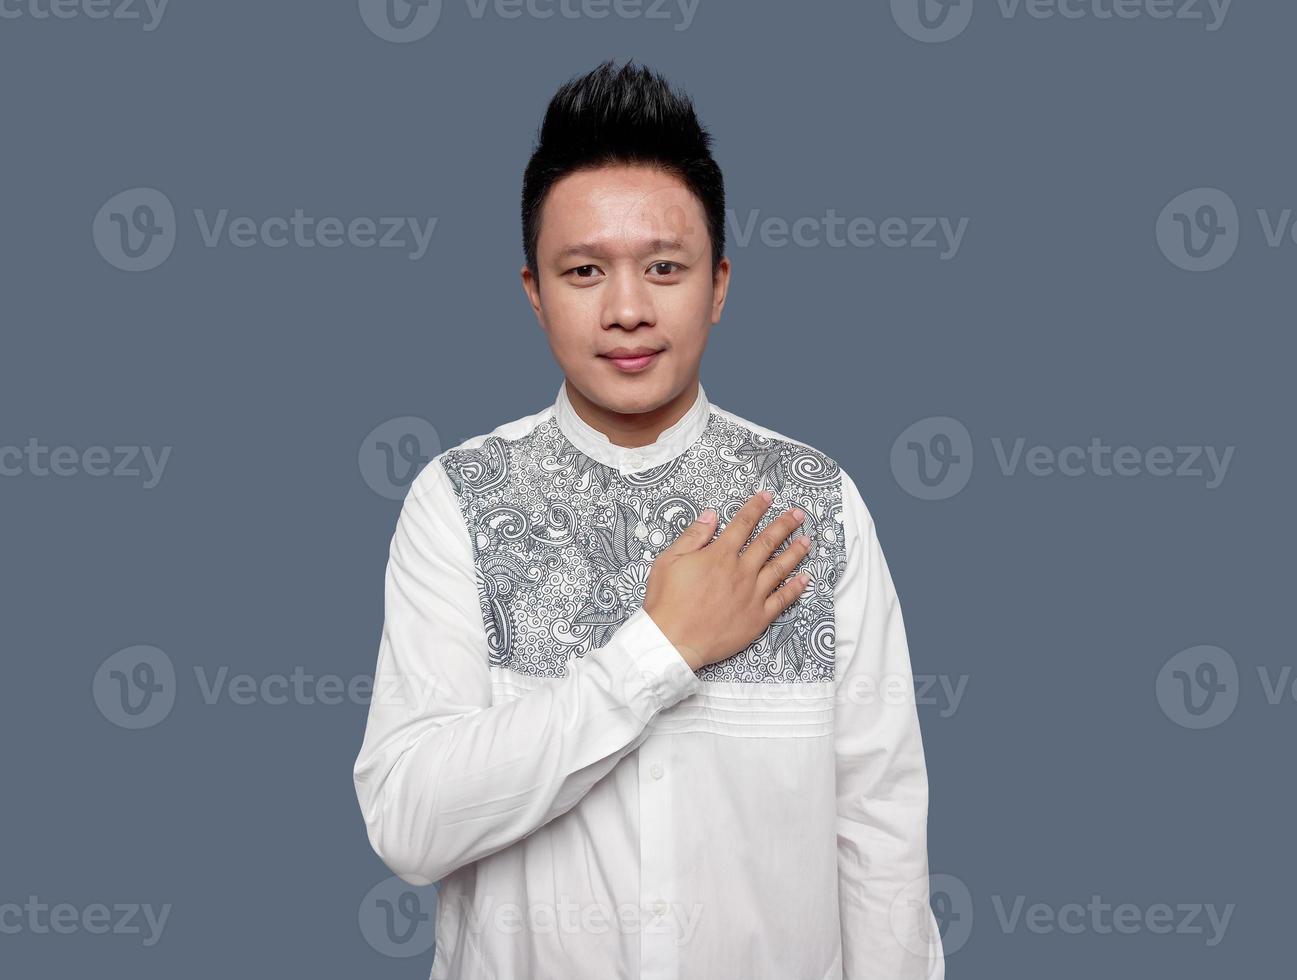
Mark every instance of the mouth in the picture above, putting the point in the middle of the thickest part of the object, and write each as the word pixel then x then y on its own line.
pixel 632 359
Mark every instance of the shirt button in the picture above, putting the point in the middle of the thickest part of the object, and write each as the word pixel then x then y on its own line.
pixel 659 908
pixel 656 771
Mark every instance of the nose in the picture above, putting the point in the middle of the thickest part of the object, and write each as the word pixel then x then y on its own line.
pixel 628 302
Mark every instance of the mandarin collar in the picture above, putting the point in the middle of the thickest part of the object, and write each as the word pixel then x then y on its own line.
pixel 672 442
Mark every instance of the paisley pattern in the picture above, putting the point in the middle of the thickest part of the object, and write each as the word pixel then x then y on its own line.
pixel 563 544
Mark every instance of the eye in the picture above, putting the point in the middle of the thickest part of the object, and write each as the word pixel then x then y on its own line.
pixel 666 268
pixel 583 271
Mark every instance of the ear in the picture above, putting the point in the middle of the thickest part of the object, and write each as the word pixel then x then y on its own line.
pixel 720 288
pixel 531 287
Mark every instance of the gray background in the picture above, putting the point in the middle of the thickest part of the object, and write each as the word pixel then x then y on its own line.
pixel 1061 775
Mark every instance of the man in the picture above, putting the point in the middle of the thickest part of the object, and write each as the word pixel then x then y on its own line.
pixel 646 731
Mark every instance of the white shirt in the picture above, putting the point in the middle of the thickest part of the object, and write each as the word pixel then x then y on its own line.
pixel 590 806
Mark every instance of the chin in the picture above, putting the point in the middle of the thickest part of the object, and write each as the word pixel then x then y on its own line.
pixel 628 395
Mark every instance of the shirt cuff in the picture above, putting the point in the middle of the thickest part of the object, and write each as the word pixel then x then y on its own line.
pixel 659 670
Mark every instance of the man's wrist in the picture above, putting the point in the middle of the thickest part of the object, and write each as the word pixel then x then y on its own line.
pixel 690 655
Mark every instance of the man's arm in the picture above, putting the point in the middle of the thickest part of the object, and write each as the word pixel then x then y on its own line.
pixel 445 778
pixel 888 929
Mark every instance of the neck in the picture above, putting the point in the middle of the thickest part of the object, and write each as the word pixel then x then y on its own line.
pixel 634 429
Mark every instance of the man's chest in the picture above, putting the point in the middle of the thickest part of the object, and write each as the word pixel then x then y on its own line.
pixel 563 544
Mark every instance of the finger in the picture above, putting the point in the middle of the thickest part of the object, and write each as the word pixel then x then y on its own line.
pixel 695 535
pixel 771 537
pixel 739 529
pixel 778 568
pixel 785 595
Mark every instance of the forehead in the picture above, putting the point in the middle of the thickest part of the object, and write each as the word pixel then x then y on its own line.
pixel 620 206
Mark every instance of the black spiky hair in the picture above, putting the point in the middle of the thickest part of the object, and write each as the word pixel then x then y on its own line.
pixel 622 115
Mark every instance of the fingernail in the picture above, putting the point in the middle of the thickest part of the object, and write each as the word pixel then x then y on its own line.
pixel 798 513
pixel 767 496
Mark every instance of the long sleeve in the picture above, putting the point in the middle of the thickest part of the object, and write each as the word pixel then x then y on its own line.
pixel 888 929
pixel 444 777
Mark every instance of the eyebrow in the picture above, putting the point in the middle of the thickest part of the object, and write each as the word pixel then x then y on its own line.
pixel 595 248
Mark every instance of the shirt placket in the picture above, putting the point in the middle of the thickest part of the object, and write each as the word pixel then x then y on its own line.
pixel 659 951
pixel 632 460
pixel 659 884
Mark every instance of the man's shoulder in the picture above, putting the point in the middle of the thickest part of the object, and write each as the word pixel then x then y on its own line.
pixel 453 461
pixel 814 463
pixel 830 466
pixel 510 431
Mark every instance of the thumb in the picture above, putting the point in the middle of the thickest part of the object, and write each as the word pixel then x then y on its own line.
pixel 696 534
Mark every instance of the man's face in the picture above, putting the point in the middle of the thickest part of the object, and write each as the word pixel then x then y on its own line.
pixel 624 260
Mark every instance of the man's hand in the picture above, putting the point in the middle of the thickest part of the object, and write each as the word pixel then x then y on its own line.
pixel 712 600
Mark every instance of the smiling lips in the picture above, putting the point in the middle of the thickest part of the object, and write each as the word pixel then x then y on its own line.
pixel 631 359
